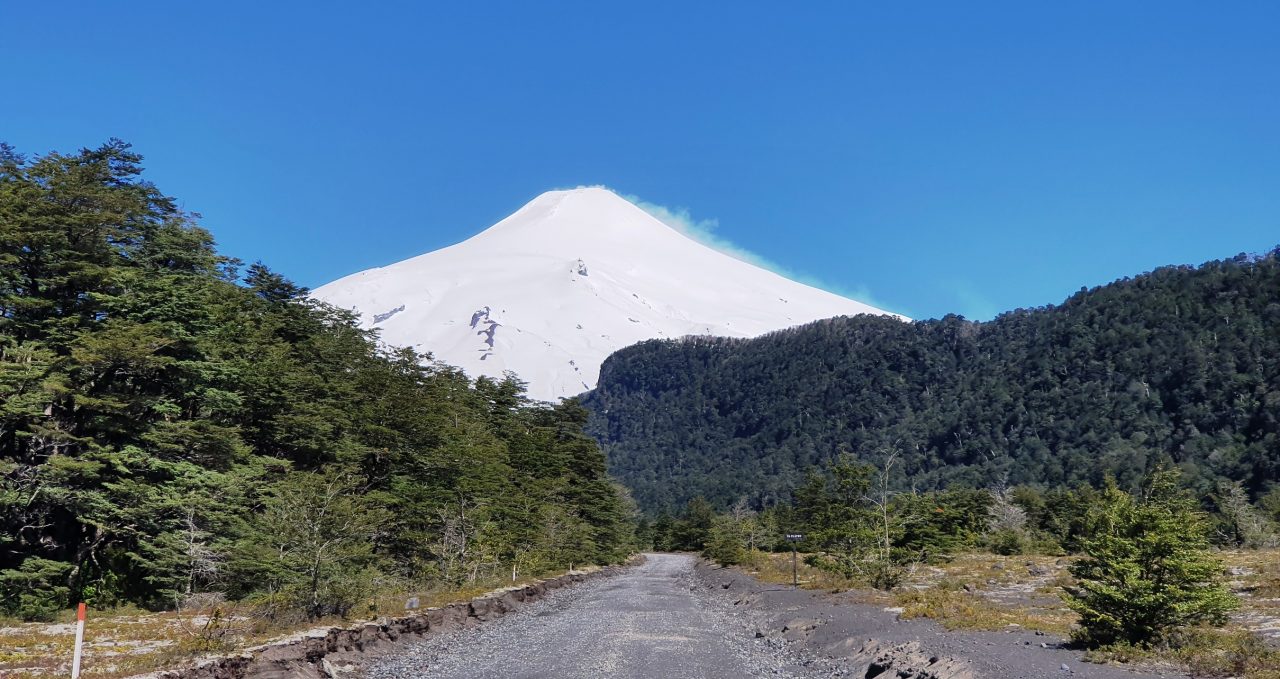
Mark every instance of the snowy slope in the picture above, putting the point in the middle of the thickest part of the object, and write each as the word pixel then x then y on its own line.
pixel 571 277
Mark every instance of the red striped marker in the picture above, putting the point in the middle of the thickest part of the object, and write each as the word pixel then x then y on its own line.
pixel 75 659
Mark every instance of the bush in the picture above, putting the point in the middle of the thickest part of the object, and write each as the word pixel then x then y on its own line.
pixel 36 590
pixel 885 574
pixel 1203 652
pixel 1147 569
pixel 1007 542
pixel 724 543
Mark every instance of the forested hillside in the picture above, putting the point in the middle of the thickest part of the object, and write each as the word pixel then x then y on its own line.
pixel 173 422
pixel 1180 364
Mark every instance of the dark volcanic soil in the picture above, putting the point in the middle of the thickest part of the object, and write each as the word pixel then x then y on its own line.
pixel 821 625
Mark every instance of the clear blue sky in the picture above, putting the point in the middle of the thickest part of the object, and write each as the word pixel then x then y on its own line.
pixel 935 156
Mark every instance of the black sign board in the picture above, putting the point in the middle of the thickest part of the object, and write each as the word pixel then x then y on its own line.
pixel 795 537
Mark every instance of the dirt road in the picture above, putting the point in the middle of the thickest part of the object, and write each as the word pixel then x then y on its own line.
pixel 672 617
pixel 645 623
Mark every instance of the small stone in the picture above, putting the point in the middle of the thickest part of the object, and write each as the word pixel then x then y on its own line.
pixel 1064 668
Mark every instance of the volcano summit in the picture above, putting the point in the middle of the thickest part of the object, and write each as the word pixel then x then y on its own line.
pixel 572 276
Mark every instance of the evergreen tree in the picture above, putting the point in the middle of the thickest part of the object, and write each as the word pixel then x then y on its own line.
pixel 1180 363
pixel 168 422
pixel 1148 569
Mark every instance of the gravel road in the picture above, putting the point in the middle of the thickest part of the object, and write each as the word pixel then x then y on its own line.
pixel 651 622
pixel 673 617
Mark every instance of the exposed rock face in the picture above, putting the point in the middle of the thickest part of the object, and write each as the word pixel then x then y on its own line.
pixel 327 654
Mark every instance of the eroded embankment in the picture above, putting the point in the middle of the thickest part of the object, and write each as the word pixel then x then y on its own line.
pixel 338 651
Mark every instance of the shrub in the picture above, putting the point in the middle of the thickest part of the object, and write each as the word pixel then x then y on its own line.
pixel 1007 542
pixel 36 590
pixel 724 543
pixel 1147 568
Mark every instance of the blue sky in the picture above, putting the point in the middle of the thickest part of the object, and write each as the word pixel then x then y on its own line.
pixel 929 157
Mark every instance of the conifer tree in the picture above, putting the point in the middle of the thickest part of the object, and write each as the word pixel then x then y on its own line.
pixel 1148 569
pixel 170 426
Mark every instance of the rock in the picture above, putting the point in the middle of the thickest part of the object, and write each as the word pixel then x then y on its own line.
pixel 369 636
pixel 282 670
pixel 480 608
pixel 328 668
pixel 799 628
pixel 905 661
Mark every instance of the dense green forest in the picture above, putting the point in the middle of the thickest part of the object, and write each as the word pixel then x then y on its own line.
pixel 173 422
pixel 1180 365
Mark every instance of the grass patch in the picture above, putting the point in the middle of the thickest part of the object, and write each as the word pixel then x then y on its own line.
pixel 1203 652
pixel 956 608
pixel 776 569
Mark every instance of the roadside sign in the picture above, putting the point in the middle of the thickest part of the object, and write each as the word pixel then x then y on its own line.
pixel 793 538
pixel 78 652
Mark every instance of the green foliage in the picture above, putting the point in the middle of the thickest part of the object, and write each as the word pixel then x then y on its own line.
pixel 1270 504
pixel 36 590
pixel 936 525
pixel 314 541
pixel 736 536
pixel 1239 523
pixel 1147 571
pixel 1008 542
pixel 168 425
pixel 726 541
pixel 855 525
pixel 1180 363
pixel 833 510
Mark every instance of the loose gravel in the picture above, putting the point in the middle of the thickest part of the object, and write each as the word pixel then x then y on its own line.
pixel 652 621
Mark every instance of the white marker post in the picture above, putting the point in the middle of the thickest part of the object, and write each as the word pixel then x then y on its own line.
pixel 75 659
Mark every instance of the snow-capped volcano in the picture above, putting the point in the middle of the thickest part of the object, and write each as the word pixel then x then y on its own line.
pixel 571 277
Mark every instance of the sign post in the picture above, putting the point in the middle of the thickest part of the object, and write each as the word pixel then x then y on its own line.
pixel 75 658
pixel 793 538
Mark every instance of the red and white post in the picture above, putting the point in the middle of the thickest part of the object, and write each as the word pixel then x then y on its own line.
pixel 75 659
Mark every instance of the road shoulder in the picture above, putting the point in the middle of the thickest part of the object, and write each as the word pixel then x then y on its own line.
pixel 872 639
